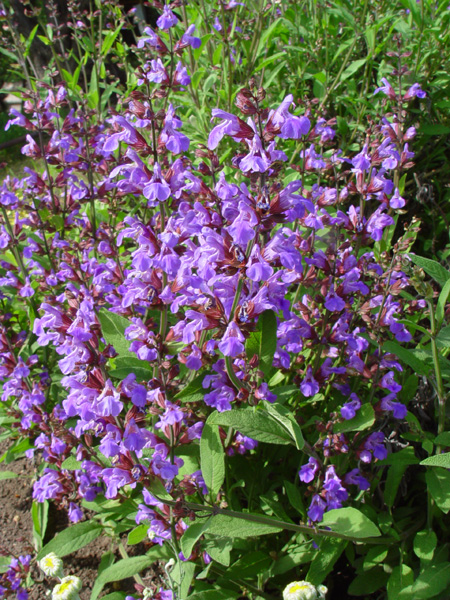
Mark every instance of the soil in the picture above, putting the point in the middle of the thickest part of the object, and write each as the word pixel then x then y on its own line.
pixel 16 537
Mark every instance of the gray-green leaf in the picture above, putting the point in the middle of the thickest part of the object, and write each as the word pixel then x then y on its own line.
pixel 350 521
pixel 253 423
pixel 431 268
pixel 263 342
pixel 212 458
pixel 72 539
pixel 113 330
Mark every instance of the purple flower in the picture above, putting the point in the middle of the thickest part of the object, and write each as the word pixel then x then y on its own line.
pixel 231 125
pixel 172 415
pixel 387 89
pixel 157 190
pixel 152 39
pixel 308 472
pixel 388 383
pixel 414 91
pixel 174 141
pixel 374 445
pixel 361 162
pixel 398 409
pixel 334 303
pixel 75 513
pixel 167 19
pixel 348 410
pixel 189 40
pixel 181 77
pixel 108 403
pixel 256 160
pixel 231 343
pixel 48 486
pixel 309 386
pixel 354 477
pixel 290 126
pixel 397 201
pixel 316 508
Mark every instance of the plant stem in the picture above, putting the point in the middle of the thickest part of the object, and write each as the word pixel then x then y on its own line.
pixel 264 520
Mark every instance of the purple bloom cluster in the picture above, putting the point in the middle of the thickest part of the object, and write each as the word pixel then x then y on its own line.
pixel 187 254
pixel 12 581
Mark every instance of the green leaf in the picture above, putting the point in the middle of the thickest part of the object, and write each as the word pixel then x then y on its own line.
pixel 268 61
pixel 194 391
pixel 71 464
pixel 15 450
pixel 219 549
pixel 249 565
pixel 374 557
pixel 113 330
pixel 263 342
pixel 408 357
pixel 212 458
pixel 297 556
pixel 253 423
pixel 109 40
pixel 92 95
pixel 431 582
pixel 394 476
pixel 438 482
pixel 443 439
pixel 115 596
pixel 182 574
pixel 192 534
pixel 29 41
pixel 9 54
pixel 400 578
pixel 443 337
pixel 406 456
pixel 284 393
pixel 425 544
pixel 363 419
pixel 235 527
pixel 125 568
pixel 352 68
pixel 72 539
pixel 368 583
pixel 350 521
pixel 157 488
pixel 439 460
pixel 4 563
pixel 295 497
pixel 431 268
pixel 284 416
pixel 130 364
pixel 434 129
pixel 39 516
pixel 137 534
pixel 324 560
pixel 215 594
pixel 442 302
pixel 8 475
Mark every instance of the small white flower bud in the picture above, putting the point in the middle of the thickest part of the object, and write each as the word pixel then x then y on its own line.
pixel 300 590
pixel 51 565
pixel 68 588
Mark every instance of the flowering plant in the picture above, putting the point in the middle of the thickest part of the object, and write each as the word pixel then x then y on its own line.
pixel 216 360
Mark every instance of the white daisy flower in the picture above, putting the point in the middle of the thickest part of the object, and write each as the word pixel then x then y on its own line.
pixel 68 589
pixel 51 565
pixel 303 590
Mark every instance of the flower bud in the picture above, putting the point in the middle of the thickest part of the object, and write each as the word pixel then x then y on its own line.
pixel 303 590
pixel 51 565
pixel 68 588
